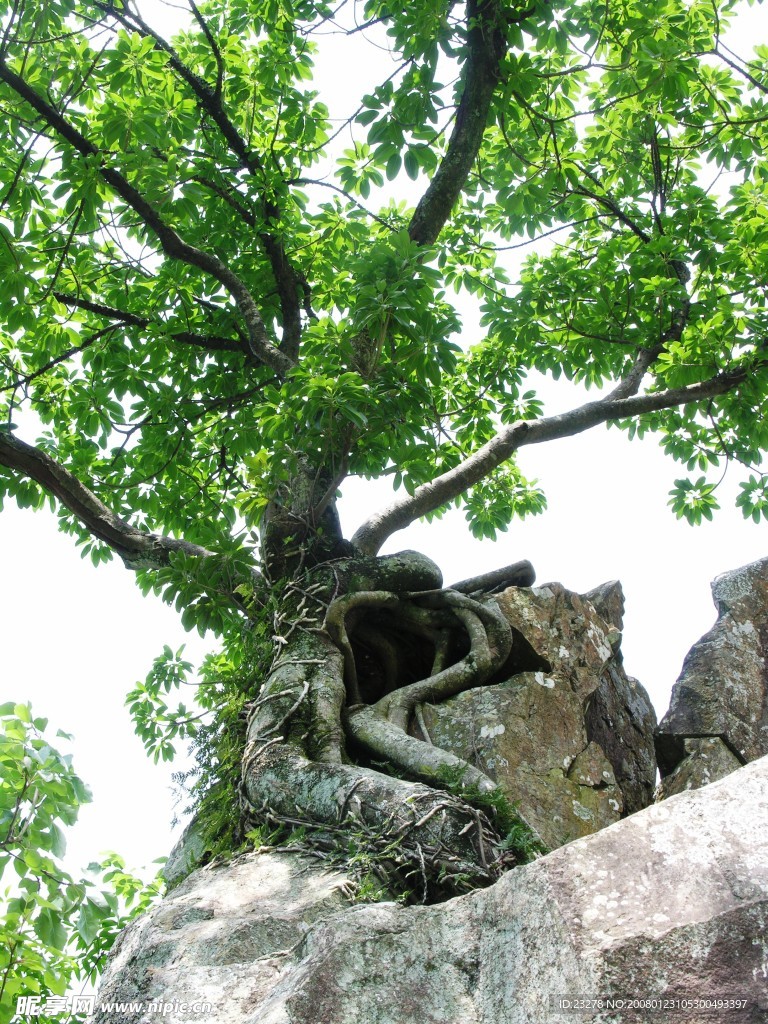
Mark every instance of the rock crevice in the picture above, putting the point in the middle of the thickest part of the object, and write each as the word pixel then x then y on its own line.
pixel 718 715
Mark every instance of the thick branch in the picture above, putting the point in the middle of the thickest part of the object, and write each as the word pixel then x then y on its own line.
pixel 519 574
pixel 630 384
pixel 137 549
pixel 486 47
pixel 172 243
pixel 429 835
pixel 444 488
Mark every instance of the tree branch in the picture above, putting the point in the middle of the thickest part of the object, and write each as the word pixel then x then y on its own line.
pixel 519 574
pixel 210 342
pixel 215 50
pixel 211 103
pixel 444 488
pixel 138 550
pixel 740 69
pixel 630 384
pixel 25 379
pixel 609 203
pixel 486 47
pixel 172 243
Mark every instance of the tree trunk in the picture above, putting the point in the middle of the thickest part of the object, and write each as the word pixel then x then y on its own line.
pixel 333 742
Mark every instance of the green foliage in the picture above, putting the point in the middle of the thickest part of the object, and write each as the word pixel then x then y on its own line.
pixel 54 928
pixel 519 840
pixel 214 721
pixel 213 784
pixel 493 502
pixel 693 500
pixel 200 589
pixel 227 682
pixel 609 139
pixel 753 499
pixel 156 725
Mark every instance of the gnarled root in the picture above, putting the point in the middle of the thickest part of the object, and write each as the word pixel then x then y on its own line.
pixel 381 728
pixel 419 839
pixel 341 687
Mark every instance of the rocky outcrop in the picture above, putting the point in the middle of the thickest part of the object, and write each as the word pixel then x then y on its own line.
pixel 704 761
pixel 620 716
pixel 191 850
pixel 619 915
pixel 567 735
pixel 621 720
pixel 718 716
pixel 221 937
pixel 563 730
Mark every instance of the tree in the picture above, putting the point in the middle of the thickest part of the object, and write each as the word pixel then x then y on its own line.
pixel 218 313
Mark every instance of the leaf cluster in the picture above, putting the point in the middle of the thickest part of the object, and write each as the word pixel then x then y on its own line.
pixel 519 840
pixel 605 138
pixel 54 928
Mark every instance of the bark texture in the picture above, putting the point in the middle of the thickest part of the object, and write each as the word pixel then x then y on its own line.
pixel 331 743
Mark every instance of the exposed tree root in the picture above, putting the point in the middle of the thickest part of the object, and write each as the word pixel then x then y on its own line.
pixel 419 837
pixel 347 684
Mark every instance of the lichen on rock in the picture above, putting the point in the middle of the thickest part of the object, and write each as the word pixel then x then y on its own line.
pixel 570 739
pixel 271 938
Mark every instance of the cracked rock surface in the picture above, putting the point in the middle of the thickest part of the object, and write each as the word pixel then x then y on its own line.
pixel 271 939
pixel 718 715
pixel 567 734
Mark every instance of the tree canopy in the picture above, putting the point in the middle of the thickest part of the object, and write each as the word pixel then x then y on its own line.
pixel 222 295
pixel 207 283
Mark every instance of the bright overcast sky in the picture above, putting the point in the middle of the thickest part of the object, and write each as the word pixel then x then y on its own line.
pixel 75 639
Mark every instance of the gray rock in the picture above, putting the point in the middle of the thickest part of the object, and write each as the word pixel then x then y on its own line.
pixel 722 691
pixel 529 735
pixel 608 602
pixel 190 852
pixel 621 720
pixel 220 937
pixel 705 761
pixel 669 904
pixel 568 735
pixel 620 716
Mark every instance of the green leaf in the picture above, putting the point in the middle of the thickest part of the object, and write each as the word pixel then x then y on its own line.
pixel 23 712
pixel 393 166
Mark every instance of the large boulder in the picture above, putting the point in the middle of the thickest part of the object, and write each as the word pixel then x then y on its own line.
pixel 565 732
pixel 664 911
pixel 718 715
pixel 220 938
pixel 620 716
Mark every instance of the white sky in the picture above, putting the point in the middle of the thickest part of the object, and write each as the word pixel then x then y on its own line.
pixel 74 639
